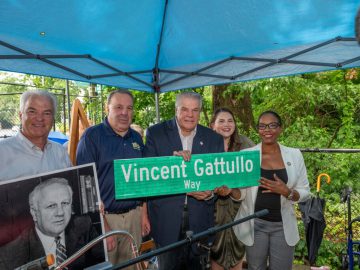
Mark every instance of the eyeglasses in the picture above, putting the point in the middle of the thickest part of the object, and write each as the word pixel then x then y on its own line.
pixel 273 125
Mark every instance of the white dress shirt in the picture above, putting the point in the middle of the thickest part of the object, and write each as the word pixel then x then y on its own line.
pixel 186 141
pixel 20 157
pixel 49 244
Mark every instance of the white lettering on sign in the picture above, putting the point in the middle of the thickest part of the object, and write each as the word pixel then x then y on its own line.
pixel 216 167
pixel 153 173
pixel 219 167
pixel 188 184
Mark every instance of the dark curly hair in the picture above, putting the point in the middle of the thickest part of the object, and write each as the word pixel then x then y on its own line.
pixel 273 113
pixel 234 144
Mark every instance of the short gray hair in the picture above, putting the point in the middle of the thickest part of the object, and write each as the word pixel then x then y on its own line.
pixel 119 91
pixel 192 95
pixel 34 195
pixel 28 94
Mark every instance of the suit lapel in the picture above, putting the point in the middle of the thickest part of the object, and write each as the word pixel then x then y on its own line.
pixel 289 165
pixel 36 248
pixel 173 136
pixel 71 240
pixel 199 146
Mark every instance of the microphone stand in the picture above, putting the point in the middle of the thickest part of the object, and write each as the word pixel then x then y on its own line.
pixel 188 240
pixel 89 245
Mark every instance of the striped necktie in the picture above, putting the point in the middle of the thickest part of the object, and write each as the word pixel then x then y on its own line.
pixel 60 252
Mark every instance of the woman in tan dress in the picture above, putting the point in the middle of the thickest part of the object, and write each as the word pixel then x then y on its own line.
pixel 227 251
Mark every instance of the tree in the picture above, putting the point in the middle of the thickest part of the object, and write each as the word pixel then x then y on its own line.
pixel 9 103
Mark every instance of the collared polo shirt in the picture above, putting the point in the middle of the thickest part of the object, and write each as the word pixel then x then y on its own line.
pixel 102 145
pixel 20 157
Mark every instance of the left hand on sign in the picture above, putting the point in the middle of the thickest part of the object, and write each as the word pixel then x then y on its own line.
pixel 274 186
pixel 186 154
pixel 200 195
pixel 222 191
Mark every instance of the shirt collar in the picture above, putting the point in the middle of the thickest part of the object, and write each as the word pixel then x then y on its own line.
pixel 29 144
pixel 110 130
pixel 49 241
pixel 192 133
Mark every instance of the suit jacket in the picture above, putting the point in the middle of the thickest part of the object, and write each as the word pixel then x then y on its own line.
pixel 28 247
pixel 297 179
pixel 166 212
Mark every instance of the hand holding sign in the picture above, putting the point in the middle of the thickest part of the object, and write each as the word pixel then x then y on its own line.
pixel 201 195
pixel 222 191
pixel 186 154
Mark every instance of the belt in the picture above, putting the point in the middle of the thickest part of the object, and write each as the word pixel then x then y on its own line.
pixel 120 211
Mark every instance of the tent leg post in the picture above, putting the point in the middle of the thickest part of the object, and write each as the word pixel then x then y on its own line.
pixel 157 107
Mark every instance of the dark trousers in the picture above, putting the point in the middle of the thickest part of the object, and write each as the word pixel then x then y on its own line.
pixel 182 258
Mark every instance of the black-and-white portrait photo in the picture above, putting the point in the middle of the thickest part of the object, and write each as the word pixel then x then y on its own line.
pixel 54 213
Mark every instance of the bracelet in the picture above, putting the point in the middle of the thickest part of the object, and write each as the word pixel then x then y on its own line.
pixel 291 195
pixel 235 200
pixel 210 197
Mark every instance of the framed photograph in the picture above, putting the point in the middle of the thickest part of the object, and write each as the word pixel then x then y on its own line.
pixel 63 203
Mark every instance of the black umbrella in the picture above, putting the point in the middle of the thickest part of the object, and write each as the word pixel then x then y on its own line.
pixel 312 212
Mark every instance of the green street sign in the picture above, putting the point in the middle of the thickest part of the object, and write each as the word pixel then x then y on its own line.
pixel 145 177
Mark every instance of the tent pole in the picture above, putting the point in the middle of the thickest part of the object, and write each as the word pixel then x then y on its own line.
pixel 68 101
pixel 157 107
pixel 102 102
pixel 156 75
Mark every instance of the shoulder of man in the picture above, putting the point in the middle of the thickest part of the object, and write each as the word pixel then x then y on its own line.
pixel 79 224
pixel 15 253
pixel 57 146
pixel 208 132
pixel 8 142
pixel 162 125
pixel 94 130
pixel 20 243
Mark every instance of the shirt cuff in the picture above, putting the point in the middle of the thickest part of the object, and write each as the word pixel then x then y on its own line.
pixel 210 197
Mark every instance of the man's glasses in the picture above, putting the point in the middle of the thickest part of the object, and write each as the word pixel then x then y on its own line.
pixel 273 125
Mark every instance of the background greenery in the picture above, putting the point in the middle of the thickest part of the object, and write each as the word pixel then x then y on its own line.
pixel 319 110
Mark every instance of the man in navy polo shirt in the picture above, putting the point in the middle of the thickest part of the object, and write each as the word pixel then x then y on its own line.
pixel 114 139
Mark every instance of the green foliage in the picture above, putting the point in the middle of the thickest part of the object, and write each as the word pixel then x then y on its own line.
pixel 318 111
pixel 9 104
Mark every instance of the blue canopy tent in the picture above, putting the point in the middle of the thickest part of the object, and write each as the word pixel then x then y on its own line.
pixel 164 45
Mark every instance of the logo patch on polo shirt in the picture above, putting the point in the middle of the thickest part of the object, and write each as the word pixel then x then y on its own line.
pixel 136 146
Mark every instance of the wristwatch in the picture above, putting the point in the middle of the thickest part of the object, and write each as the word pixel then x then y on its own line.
pixel 210 197
pixel 291 195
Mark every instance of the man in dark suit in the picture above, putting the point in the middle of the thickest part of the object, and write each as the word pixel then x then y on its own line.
pixel 51 207
pixel 171 216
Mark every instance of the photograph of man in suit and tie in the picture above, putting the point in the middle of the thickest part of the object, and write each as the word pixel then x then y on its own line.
pixel 55 230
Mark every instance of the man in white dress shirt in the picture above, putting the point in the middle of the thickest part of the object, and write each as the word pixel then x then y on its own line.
pixel 30 152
